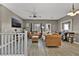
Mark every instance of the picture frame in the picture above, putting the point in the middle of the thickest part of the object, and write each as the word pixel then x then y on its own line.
pixel 15 22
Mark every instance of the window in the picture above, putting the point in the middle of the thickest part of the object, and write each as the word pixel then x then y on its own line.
pixel 36 27
pixel 48 27
pixel 66 26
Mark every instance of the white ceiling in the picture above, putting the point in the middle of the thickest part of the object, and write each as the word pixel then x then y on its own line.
pixel 51 11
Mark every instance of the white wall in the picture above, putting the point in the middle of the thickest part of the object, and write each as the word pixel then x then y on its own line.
pixel 6 16
pixel 68 20
pixel 75 24
pixel 0 18
pixel 54 24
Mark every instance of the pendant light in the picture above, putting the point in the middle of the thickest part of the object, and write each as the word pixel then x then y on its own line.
pixel 73 12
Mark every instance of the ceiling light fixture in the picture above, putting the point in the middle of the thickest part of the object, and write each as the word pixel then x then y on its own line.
pixel 73 12
pixel 34 14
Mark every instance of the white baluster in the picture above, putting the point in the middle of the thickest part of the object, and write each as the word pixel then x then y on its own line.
pixel 5 44
pixel 2 44
pixel 12 43
pixel 25 43
pixel 9 44
pixel 19 43
pixel 15 44
pixel 22 44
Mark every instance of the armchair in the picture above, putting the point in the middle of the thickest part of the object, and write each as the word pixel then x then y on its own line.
pixel 53 40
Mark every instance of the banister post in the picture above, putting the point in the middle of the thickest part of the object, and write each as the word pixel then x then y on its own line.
pixel 25 44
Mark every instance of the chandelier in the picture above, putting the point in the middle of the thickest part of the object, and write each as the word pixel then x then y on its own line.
pixel 73 12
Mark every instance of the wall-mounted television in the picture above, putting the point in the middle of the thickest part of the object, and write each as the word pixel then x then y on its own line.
pixel 15 23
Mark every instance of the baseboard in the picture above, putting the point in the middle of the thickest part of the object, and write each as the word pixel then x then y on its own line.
pixel 76 42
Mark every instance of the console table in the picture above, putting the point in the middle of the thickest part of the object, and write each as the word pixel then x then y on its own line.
pixel 69 36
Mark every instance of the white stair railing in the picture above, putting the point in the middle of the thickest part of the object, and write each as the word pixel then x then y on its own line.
pixel 13 44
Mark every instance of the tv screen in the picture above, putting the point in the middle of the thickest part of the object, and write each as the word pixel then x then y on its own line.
pixel 16 23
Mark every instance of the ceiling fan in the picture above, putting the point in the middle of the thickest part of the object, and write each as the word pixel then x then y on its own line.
pixel 34 14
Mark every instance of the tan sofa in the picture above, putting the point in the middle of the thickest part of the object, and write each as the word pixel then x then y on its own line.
pixel 53 40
